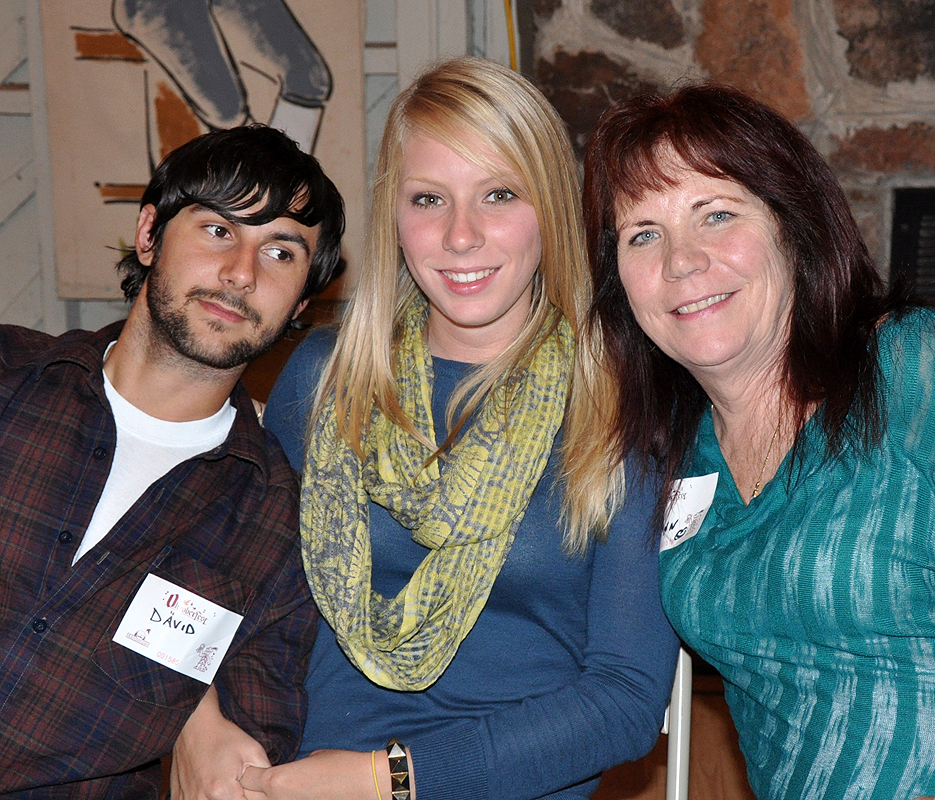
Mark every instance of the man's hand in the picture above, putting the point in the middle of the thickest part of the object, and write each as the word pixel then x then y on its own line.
pixel 211 754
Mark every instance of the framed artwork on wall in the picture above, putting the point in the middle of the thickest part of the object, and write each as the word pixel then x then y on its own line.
pixel 127 81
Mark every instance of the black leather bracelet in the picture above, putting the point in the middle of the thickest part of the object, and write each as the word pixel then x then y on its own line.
pixel 399 769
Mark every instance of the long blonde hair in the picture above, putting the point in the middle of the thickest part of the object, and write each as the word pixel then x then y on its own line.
pixel 458 103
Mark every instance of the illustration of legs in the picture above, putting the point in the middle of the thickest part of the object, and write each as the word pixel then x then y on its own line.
pixel 183 37
pixel 275 44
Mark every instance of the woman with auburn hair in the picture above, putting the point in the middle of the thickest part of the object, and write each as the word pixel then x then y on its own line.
pixel 494 628
pixel 787 399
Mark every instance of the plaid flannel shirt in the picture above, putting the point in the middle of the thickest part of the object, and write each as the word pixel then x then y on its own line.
pixel 84 717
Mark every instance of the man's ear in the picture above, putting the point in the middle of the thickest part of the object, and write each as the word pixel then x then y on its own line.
pixel 144 235
pixel 300 308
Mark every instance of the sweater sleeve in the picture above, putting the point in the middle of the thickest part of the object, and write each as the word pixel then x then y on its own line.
pixel 610 714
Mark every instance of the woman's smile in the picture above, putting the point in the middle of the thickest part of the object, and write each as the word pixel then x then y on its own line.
pixel 691 308
pixel 468 277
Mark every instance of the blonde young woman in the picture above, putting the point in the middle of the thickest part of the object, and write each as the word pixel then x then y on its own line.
pixel 491 600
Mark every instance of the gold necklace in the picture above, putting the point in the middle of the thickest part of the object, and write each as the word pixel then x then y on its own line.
pixel 769 451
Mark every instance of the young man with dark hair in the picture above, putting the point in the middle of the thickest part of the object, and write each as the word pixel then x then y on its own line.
pixel 151 566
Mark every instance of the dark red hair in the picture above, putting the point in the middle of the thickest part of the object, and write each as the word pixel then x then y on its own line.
pixel 839 296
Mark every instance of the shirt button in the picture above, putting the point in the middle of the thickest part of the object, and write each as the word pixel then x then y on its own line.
pixel 65 537
pixel 99 452
pixel 39 625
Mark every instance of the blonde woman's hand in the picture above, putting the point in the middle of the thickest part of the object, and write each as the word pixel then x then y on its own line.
pixel 323 775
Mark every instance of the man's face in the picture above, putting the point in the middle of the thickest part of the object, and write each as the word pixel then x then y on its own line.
pixel 220 292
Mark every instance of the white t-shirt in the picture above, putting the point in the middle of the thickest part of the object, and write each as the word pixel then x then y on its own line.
pixel 147 448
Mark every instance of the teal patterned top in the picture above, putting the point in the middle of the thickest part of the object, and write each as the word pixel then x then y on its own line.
pixel 817 601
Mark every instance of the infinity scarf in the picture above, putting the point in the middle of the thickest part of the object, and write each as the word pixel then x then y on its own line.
pixel 465 510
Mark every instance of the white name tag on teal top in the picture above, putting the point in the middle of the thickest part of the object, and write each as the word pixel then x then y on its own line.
pixel 689 503
pixel 177 628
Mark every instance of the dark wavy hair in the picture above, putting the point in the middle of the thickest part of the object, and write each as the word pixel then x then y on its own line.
pixel 839 297
pixel 227 171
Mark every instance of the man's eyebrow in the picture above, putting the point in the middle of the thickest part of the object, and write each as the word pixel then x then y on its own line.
pixel 199 208
pixel 295 238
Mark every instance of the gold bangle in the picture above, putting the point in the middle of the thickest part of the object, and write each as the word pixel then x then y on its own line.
pixel 399 769
pixel 373 766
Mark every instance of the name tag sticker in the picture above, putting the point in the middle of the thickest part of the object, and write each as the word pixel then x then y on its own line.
pixel 177 628
pixel 690 500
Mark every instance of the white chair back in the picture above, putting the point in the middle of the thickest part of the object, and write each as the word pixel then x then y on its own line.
pixel 677 725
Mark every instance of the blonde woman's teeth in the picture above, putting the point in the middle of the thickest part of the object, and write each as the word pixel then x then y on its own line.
pixel 468 277
pixel 691 308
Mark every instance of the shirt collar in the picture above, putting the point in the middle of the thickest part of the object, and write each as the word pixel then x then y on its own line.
pixel 82 348
pixel 247 440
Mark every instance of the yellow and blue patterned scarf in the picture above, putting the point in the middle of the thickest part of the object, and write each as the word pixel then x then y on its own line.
pixel 465 510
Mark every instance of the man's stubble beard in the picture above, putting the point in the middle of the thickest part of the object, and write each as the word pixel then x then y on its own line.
pixel 173 328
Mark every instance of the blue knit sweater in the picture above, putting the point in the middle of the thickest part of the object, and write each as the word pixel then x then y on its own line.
pixel 566 672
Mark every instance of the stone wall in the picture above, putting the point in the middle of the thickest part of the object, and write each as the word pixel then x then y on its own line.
pixel 857 76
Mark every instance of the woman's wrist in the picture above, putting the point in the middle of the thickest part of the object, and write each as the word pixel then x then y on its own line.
pixel 398 760
pixel 391 769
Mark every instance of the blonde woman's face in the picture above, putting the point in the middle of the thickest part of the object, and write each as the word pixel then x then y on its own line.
pixel 471 244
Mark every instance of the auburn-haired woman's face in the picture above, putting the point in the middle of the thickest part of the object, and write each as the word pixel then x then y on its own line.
pixel 702 268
